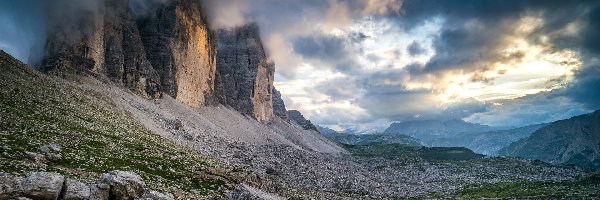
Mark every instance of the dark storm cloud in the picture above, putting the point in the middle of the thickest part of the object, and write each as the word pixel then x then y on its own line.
pixel 585 88
pixel 591 38
pixel 22 27
pixel 321 47
pixel 415 49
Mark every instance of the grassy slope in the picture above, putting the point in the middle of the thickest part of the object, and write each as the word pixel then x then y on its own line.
pixel 402 151
pixel 36 110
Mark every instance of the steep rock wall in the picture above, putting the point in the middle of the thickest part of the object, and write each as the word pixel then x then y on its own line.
pixel 244 74
pixel 182 48
pixel 105 42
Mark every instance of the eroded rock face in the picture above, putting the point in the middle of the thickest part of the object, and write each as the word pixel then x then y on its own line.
pixel 244 74
pixel 278 105
pixel 105 42
pixel 182 48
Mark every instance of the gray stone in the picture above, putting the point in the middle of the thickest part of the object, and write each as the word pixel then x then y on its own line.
pixel 36 157
pixel 124 185
pixel 76 190
pixel 44 149
pixel 10 185
pixel 99 191
pixel 42 185
pixel 54 147
pixel 53 157
pixel 154 195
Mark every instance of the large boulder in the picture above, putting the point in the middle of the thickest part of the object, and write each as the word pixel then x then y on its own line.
pixel 10 185
pixel 76 190
pixel 124 185
pixel 154 195
pixel 43 185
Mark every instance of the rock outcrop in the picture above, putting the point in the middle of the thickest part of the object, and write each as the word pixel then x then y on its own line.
pixel 299 119
pixel 182 49
pixel 119 185
pixel 42 185
pixel 278 105
pixel 102 39
pixel 244 74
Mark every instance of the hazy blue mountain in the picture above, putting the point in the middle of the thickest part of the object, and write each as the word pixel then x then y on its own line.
pixel 430 131
pixel 488 142
pixel 571 141
pixel 369 139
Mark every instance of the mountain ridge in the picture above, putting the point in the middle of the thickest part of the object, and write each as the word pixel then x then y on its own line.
pixel 571 141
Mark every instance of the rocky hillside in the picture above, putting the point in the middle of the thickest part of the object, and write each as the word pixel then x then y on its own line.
pixel 55 125
pixel 572 141
pixel 245 75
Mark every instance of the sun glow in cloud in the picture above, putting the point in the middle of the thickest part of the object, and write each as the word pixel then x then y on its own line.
pixel 528 69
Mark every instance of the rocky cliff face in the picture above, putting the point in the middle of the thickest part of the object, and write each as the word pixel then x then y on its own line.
pixel 278 105
pixel 244 75
pixel 105 42
pixel 182 48
pixel 299 119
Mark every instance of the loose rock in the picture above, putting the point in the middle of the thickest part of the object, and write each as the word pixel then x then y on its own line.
pixel 42 185
pixel 76 190
pixel 124 185
pixel 154 195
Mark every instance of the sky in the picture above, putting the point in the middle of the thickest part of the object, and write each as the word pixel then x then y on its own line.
pixel 362 64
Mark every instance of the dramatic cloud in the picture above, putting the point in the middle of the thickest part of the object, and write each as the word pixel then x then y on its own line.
pixel 362 64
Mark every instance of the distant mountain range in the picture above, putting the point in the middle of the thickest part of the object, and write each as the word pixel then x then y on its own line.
pixel 430 130
pixel 369 139
pixel 570 141
pixel 481 139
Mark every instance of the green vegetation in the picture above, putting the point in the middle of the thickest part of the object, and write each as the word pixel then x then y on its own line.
pixel 36 110
pixel 582 188
pixel 406 152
